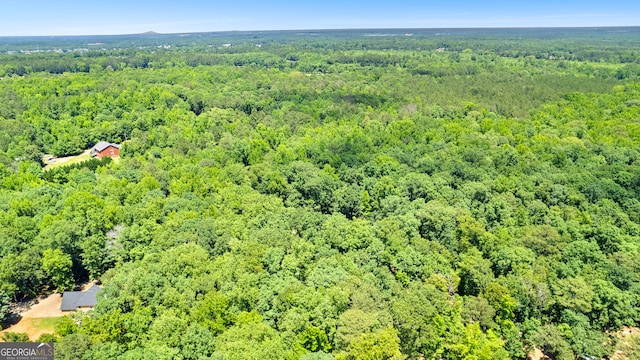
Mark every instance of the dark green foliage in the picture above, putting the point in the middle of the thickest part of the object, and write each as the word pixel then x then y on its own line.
pixel 552 343
pixel 61 174
pixel 74 347
pixel 4 305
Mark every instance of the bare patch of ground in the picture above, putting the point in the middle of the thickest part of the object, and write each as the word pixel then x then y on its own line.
pixel 627 347
pixel 537 354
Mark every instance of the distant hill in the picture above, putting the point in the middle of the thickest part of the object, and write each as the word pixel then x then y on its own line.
pixel 150 33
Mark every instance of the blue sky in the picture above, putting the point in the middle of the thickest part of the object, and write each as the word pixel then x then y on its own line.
pixel 90 17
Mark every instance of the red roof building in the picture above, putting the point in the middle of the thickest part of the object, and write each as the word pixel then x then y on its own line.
pixel 104 148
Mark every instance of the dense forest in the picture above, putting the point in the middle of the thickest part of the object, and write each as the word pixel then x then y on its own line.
pixel 446 194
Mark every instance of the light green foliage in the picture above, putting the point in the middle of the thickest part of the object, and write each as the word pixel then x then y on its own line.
pixel 197 342
pixel 314 339
pixel 351 324
pixel 382 344
pixel 574 294
pixel 167 330
pixel 478 310
pixel 474 344
pixel 326 273
pixel 320 355
pixel 95 255
pixel 252 340
pixel 15 337
pixel 500 299
pixel 212 312
pixel 65 325
pixel 423 316
pixel 57 265
pixel 46 337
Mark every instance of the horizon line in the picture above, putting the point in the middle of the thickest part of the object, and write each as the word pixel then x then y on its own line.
pixel 151 32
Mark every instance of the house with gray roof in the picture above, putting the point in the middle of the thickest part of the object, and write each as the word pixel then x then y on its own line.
pixel 80 300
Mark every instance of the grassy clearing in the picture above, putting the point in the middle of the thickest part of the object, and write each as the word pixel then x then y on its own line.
pixel 86 155
pixel 34 327
pixel 45 323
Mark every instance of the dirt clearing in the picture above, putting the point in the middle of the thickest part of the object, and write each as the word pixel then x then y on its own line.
pixel 35 321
